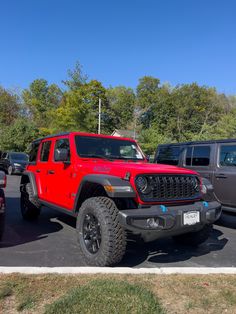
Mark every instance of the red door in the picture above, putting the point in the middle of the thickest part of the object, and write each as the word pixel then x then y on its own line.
pixel 43 160
pixel 60 177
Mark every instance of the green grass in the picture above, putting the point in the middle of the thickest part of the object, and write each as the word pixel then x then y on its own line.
pixel 5 291
pixel 185 294
pixel 229 296
pixel 26 303
pixel 106 296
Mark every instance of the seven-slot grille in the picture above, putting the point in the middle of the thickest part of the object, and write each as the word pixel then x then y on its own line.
pixel 170 187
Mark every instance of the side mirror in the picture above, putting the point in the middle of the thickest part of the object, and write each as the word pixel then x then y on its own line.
pixel 61 154
pixel 147 157
pixel 3 180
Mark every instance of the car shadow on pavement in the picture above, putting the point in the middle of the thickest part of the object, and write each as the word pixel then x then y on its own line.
pixel 166 251
pixel 227 220
pixel 163 251
pixel 18 231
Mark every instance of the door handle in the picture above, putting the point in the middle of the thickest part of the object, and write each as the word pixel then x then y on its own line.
pixel 221 176
pixel 51 171
pixel 38 170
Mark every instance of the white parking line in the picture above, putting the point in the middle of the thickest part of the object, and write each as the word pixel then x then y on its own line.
pixel 119 270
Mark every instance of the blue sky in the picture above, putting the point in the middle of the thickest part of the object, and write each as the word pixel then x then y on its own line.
pixel 118 41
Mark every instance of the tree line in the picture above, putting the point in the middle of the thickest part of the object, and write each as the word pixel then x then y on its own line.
pixel 157 112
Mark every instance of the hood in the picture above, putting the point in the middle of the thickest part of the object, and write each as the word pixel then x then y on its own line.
pixel 21 162
pixel 120 168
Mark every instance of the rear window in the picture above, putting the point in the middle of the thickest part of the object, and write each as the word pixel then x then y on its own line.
pixel 168 155
pixel 227 156
pixel 198 156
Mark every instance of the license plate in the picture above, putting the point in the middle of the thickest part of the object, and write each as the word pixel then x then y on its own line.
pixel 191 218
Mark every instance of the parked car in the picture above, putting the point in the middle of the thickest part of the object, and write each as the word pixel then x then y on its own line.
pixel 2 202
pixel 13 162
pixel 108 185
pixel 214 160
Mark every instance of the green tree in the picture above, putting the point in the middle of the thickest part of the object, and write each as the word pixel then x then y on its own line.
pixel 120 109
pixel 193 109
pixel 41 100
pixel 9 107
pixel 76 77
pixel 18 135
pixel 150 138
pixel 147 91
pixel 153 102
pixel 78 110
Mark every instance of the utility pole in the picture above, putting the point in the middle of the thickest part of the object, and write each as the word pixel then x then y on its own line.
pixel 99 115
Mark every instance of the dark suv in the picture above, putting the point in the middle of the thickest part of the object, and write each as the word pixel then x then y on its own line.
pixel 13 162
pixel 108 185
pixel 214 160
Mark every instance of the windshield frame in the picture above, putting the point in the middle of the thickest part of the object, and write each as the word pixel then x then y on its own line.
pixel 110 157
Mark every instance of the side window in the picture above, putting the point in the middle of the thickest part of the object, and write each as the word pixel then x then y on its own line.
pixel 169 155
pixel 33 151
pixel 227 156
pixel 198 156
pixel 62 143
pixel 45 151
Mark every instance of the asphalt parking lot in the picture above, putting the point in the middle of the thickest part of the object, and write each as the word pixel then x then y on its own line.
pixel 51 241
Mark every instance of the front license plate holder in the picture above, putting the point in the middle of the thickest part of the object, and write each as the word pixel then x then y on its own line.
pixel 191 218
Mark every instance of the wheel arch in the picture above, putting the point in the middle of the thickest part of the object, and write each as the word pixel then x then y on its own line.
pixel 92 183
pixel 28 177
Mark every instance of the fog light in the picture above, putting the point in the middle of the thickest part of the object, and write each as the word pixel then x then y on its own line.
pixel 152 222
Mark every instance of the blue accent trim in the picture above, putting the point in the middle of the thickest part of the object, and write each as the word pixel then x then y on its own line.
pixel 205 204
pixel 163 208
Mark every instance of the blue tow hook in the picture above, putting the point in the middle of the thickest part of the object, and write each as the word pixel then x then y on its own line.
pixel 163 208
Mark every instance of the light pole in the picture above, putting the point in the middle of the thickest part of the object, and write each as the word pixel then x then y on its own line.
pixel 99 115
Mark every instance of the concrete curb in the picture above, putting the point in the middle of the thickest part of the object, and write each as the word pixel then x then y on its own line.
pixel 118 270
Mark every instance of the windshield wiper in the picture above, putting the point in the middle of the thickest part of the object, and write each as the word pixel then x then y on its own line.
pixel 97 156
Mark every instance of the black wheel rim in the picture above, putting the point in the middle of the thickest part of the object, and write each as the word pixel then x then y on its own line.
pixel 91 233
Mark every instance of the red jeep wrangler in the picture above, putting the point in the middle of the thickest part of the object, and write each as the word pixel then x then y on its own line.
pixel 108 185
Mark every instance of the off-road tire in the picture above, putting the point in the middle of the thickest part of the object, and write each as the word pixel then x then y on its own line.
pixel 30 207
pixel 194 238
pixel 113 238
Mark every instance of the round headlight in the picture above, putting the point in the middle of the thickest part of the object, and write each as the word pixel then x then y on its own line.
pixel 142 184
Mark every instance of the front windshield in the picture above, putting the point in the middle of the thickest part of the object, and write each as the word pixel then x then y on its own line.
pixel 101 147
pixel 19 156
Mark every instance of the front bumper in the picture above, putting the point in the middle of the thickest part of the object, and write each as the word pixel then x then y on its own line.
pixel 169 219
pixel 18 169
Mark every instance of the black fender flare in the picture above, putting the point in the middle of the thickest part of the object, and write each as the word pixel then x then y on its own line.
pixel 105 180
pixel 29 177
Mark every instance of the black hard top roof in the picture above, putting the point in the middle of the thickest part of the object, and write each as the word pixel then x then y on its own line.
pixel 200 142
pixel 49 136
